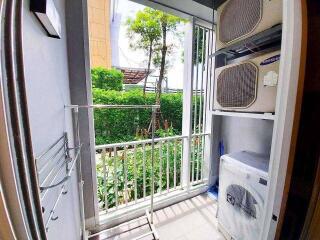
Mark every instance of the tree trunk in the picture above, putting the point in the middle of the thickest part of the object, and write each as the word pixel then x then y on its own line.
pixel 162 70
pixel 148 71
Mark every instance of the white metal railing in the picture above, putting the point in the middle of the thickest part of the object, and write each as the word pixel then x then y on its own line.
pixel 197 158
pixel 124 170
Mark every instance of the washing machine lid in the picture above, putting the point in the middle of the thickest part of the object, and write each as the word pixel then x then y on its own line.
pixel 248 159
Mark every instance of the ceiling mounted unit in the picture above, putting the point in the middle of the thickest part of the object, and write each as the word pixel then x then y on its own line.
pixel 239 19
pixel 249 86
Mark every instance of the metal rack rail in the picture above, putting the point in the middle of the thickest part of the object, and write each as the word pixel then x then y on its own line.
pixel 55 167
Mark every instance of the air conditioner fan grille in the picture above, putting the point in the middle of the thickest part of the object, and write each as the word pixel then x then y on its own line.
pixel 238 18
pixel 236 86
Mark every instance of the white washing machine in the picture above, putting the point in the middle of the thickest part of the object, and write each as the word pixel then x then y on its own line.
pixel 242 192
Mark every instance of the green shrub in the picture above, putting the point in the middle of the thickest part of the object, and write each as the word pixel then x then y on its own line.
pixel 119 125
pixel 107 79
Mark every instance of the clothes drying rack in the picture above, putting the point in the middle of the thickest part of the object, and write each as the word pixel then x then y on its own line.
pixel 149 213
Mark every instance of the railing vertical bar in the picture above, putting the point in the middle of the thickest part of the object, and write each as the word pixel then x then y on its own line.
pixel 200 127
pixel 193 157
pixel 168 167
pixel 202 156
pixel 115 175
pixel 196 83
pixel 207 86
pixel 126 174
pixel 175 165
pixel 211 66
pixel 160 166
pixel 198 157
pixel 195 103
pixel 135 173
pixel 144 171
pixel 181 163
pixel 201 84
pixel 207 90
pixel 103 156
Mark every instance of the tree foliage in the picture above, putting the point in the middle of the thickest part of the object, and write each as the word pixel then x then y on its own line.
pixel 145 33
pixel 149 30
pixel 168 25
pixel 143 30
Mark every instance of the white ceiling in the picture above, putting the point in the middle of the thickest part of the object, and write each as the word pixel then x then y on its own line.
pixel 183 8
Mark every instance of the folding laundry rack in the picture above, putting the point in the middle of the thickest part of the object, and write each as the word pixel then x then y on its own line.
pixel 149 214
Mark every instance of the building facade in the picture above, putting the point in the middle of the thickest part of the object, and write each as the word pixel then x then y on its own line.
pixel 99 33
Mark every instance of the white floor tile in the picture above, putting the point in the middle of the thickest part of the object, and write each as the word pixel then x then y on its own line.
pixel 193 219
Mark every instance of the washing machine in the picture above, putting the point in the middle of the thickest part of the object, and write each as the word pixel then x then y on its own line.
pixel 243 185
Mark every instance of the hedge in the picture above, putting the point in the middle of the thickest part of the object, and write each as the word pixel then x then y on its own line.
pixel 108 79
pixel 119 125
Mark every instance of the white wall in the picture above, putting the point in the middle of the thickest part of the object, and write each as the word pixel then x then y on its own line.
pixel 240 134
pixel 47 83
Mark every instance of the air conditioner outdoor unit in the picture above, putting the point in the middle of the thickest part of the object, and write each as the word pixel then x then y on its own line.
pixel 249 86
pixel 239 19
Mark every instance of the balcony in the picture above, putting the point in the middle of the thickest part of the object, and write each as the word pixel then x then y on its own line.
pixel 56 196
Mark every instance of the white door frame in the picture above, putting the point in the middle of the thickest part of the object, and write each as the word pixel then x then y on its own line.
pixel 187 103
pixel 291 66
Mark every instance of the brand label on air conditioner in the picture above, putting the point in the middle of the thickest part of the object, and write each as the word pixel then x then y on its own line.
pixel 270 60
pixel 270 79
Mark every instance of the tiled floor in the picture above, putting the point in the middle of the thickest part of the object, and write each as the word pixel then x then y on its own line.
pixel 193 219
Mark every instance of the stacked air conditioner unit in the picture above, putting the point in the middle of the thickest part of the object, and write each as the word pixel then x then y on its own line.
pixel 247 84
pixel 239 19
pixel 251 85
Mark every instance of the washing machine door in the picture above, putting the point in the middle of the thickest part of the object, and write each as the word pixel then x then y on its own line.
pixel 241 202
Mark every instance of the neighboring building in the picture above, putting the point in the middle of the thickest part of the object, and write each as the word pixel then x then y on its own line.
pixel 134 77
pixel 99 33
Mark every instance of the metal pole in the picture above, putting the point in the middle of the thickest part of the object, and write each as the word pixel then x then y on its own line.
pixel 80 181
pixel 152 162
pixel 114 106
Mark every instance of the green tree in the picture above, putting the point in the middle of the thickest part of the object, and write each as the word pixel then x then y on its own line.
pixel 108 79
pixel 145 32
pixel 151 28
pixel 168 24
